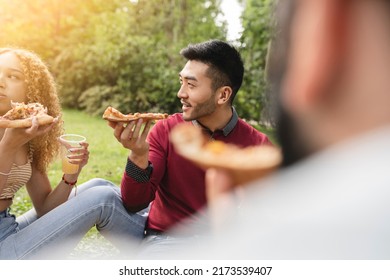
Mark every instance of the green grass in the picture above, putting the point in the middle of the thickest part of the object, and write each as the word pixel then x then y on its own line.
pixel 107 156
pixel 107 160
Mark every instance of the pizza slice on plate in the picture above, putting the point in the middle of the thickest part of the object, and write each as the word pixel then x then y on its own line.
pixel 21 115
pixel 113 115
pixel 244 164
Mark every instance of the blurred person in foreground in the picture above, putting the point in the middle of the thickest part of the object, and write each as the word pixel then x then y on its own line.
pixel 155 173
pixel 329 72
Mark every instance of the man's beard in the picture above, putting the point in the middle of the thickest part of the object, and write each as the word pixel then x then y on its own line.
pixel 202 110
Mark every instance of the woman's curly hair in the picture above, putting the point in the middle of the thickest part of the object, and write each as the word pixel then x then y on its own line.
pixel 40 87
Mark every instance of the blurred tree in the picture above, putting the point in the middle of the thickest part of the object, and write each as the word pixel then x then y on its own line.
pixel 123 53
pixel 45 25
pixel 257 23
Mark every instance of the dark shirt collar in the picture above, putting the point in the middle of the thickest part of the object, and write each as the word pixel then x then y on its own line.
pixel 227 129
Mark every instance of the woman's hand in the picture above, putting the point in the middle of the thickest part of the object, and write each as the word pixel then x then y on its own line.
pixel 77 155
pixel 80 155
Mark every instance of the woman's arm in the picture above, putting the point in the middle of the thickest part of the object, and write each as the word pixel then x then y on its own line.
pixel 43 197
pixel 13 141
pixel 7 158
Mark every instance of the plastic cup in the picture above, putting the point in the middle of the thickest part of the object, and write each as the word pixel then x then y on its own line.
pixel 69 141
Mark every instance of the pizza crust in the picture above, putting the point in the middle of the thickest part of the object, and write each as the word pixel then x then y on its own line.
pixel 113 115
pixel 23 123
pixel 21 115
pixel 244 164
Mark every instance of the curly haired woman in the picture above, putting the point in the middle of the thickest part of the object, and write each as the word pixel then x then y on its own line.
pixel 59 219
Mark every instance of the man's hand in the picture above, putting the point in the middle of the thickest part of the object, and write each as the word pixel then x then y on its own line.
pixel 133 137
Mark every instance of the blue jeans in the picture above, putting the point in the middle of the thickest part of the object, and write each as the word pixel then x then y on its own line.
pixel 57 233
pixel 167 246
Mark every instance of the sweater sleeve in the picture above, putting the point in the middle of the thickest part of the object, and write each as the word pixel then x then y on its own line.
pixel 265 140
pixel 138 186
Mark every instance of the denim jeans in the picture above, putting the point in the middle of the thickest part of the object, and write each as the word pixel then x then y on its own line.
pixel 167 246
pixel 57 233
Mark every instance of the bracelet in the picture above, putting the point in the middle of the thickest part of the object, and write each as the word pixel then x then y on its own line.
pixel 68 183
pixel 5 174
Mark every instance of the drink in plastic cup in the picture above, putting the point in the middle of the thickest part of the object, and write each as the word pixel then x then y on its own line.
pixel 69 141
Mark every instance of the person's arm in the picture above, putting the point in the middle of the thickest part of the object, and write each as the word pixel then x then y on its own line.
pixel 12 141
pixel 137 189
pixel 221 197
pixel 144 167
pixel 222 194
pixel 43 197
pixel 139 185
pixel 7 157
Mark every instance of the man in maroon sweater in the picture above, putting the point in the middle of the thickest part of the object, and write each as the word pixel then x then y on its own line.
pixel 155 173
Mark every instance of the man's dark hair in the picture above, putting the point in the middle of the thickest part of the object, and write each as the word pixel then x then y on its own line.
pixel 225 64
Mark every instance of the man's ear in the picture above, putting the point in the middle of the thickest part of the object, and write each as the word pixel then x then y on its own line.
pixel 224 94
pixel 316 46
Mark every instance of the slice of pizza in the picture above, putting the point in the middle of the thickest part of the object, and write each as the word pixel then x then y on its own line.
pixel 244 164
pixel 21 115
pixel 114 115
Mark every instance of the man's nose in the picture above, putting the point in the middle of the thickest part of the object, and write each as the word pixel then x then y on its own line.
pixel 182 93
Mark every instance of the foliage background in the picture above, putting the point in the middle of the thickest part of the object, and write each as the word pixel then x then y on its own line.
pixel 125 53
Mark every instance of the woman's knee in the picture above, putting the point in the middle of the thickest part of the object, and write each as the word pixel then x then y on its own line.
pixel 106 193
pixel 98 182
pixel 94 183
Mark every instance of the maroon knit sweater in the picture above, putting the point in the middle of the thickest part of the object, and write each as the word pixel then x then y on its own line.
pixel 177 186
